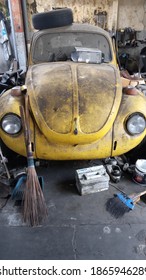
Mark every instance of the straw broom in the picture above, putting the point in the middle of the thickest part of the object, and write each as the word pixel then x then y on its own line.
pixel 34 206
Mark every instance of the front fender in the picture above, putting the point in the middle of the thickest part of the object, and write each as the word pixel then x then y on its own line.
pixel 122 141
pixel 11 104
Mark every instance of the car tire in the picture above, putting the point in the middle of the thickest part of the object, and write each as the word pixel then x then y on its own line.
pixel 52 19
pixel 14 160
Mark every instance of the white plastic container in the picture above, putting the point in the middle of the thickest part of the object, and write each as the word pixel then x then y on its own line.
pixel 139 175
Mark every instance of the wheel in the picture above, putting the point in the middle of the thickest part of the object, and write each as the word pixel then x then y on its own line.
pixel 14 160
pixel 51 19
pixel 138 152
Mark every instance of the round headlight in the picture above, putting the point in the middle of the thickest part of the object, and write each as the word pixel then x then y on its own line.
pixel 136 124
pixel 11 124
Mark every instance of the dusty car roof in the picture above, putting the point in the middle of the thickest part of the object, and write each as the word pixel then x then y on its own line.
pixel 77 27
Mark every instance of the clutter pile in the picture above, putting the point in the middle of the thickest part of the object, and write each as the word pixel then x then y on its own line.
pixel 24 184
pixel 100 177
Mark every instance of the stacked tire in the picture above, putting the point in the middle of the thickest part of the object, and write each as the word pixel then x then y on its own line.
pixel 52 19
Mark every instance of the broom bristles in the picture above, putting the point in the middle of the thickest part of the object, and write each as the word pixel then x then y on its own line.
pixel 116 207
pixel 34 208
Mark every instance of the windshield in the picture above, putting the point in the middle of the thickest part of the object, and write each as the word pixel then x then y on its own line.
pixel 59 46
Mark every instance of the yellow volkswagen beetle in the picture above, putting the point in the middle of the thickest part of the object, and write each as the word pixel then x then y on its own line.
pixel 78 107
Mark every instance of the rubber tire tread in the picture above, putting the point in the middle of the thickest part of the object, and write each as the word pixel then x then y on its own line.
pixel 52 19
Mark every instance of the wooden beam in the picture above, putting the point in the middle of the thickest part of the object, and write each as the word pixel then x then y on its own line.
pixel 18 30
pixel 17 15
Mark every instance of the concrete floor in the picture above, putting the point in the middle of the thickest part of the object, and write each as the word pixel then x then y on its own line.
pixel 78 227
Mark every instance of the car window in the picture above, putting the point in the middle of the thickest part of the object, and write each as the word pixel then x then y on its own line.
pixel 59 46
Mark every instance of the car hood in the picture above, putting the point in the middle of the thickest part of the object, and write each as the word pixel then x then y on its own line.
pixel 74 102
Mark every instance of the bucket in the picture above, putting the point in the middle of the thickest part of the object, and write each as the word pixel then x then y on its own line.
pixel 139 175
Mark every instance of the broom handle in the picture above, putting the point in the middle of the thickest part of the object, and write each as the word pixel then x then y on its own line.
pixel 29 145
pixel 26 137
pixel 27 116
pixel 30 159
pixel 22 113
pixel 136 196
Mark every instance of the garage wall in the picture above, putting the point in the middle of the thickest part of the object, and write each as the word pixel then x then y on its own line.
pixel 132 13
pixel 108 14
pixel 83 9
